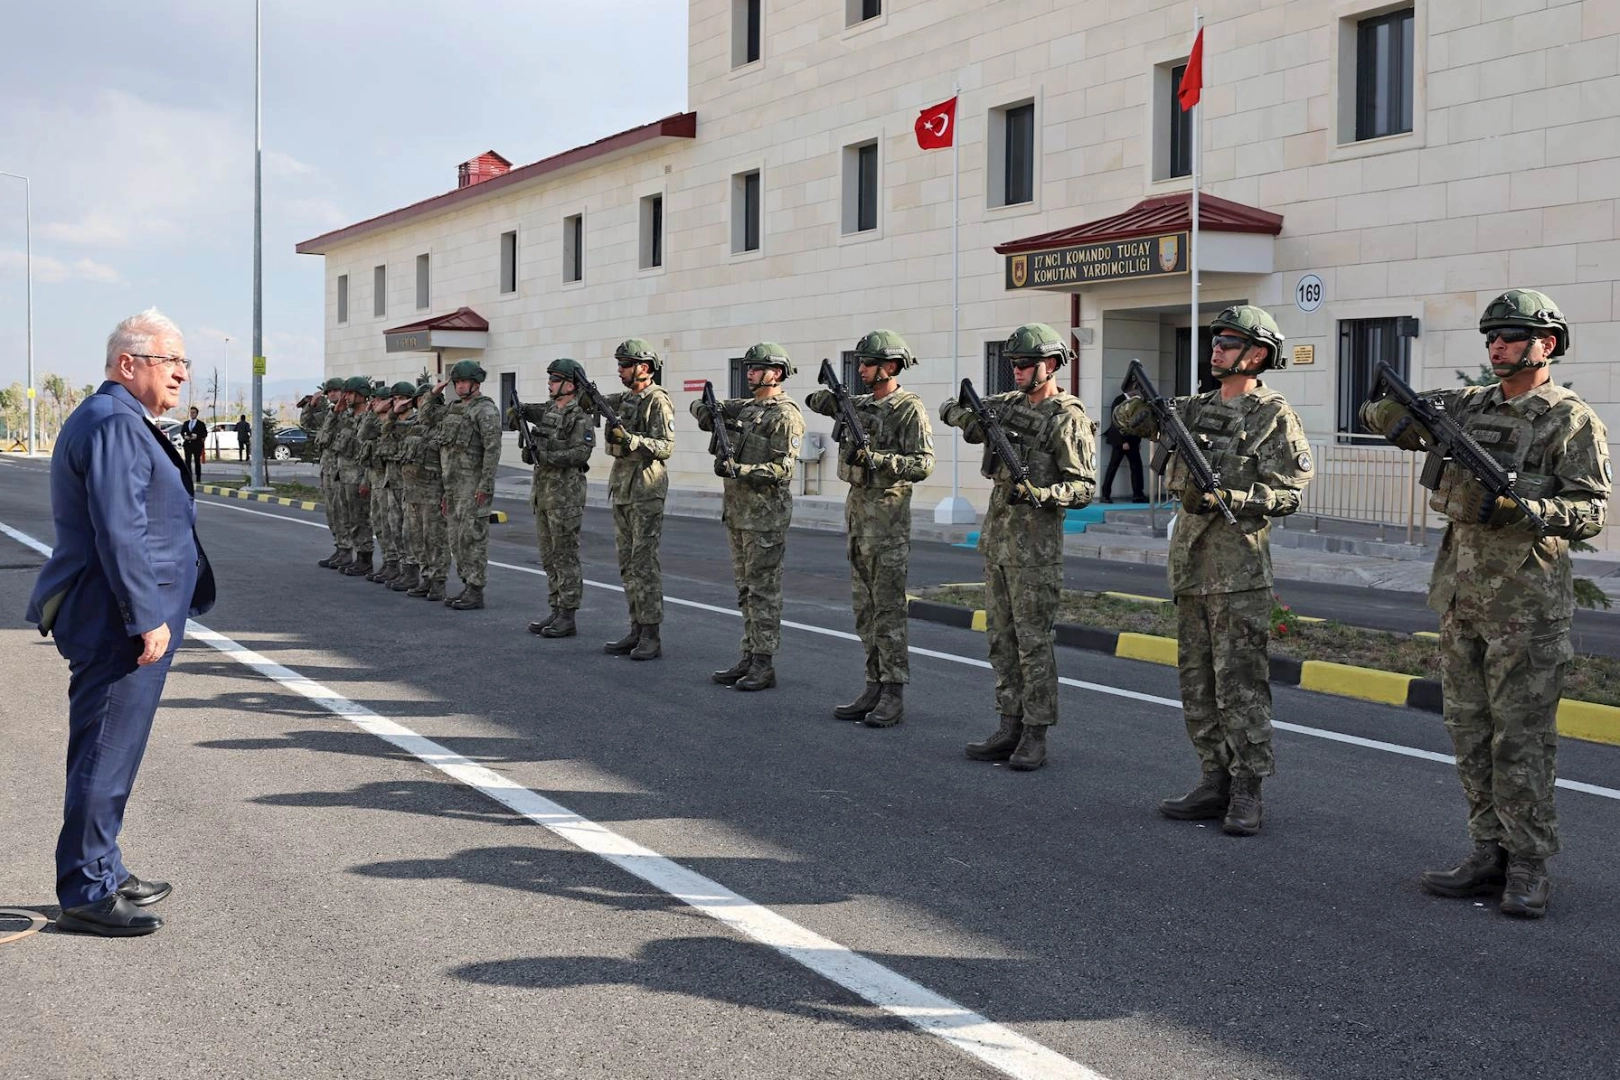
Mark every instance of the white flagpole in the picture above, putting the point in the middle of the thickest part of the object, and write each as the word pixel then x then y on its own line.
pixel 955 510
pixel 1192 252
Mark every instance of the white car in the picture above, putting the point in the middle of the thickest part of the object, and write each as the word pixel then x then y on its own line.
pixel 222 441
pixel 170 428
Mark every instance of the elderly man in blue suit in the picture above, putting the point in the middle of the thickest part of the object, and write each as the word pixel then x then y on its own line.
pixel 126 572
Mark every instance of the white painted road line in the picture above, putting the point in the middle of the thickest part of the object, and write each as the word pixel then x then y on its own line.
pixel 971 661
pixel 999 1047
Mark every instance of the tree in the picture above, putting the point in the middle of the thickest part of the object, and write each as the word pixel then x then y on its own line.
pixel 14 408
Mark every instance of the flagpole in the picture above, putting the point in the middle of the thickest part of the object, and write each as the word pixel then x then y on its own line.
pixel 1192 253
pixel 955 510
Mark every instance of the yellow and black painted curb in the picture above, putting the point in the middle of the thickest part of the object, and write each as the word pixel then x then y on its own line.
pixel 1576 719
pixel 496 517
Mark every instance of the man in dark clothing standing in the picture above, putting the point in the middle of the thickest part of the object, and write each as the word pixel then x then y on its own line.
pixel 1122 446
pixel 193 438
pixel 244 438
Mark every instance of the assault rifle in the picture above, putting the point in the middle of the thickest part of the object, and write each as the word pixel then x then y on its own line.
pixel 848 423
pixel 1174 438
pixel 995 436
pixel 1451 443
pixel 525 436
pixel 597 402
pixel 719 442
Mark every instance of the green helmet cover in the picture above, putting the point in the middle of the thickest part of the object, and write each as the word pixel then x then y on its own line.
pixel 357 384
pixel 1530 310
pixel 467 369
pixel 1255 324
pixel 332 384
pixel 769 354
pixel 1038 340
pixel 641 351
pixel 885 345
pixel 572 370
pixel 403 388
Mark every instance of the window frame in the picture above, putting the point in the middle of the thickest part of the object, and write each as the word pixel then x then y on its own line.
pixel 739 378
pixel 1342 36
pixel 1354 376
pixel 343 299
pixel 650 241
pixel 740 217
pixel 998 376
pixel 999 152
pixel 856 202
pixel 1399 75
pixel 573 249
pixel 424 281
pixel 1179 124
pixel 379 291
pixel 747 33
pixel 857 12
pixel 508 263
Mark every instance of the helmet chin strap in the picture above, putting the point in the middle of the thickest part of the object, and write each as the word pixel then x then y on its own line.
pixel 1042 377
pixel 1237 365
pixel 1523 363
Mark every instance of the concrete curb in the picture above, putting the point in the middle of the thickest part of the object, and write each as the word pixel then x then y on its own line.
pixel 496 517
pixel 1584 720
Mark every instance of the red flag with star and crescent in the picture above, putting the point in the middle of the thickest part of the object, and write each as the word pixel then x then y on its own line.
pixel 1192 80
pixel 936 126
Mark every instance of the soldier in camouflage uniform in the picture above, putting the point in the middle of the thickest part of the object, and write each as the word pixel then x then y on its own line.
pixel 1505 594
pixel 637 485
pixel 1220 574
pixel 323 435
pixel 351 451
pixel 558 444
pixel 424 497
pixel 766 431
pixel 391 505
pixel 1022 537
pixel 371 438
pixel 469 452
pixel 877 517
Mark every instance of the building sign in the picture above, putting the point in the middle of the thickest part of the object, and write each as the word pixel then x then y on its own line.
pixel 1304 355
pixel 1091 264
pixel 693 386
pixel 412 341
pixel 258 365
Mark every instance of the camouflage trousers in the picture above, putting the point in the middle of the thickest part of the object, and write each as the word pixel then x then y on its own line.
pixel 638 528
pixel 377 509
pixel 1020 603
pixel 331 504
pixel 394 510
pixel 356 513
pixel 1502 685
pixel 557 530
pixel 1222 652
pixel 756 564
pixel 877 573
pixel 427 541
pixel 469 533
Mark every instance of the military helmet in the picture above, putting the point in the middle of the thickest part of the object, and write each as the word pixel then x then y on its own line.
pixel 1255 324
pixel 332 384
pixel 885 345
pixel 769 354
pixel 1037 340
pixel 1529 310
pixel 467 369
pixel 571 370
pixel 357 384
pixel 403 388
pixel 641 351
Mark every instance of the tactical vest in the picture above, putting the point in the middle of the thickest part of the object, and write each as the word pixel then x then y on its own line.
pixel 871 413
pixel 1510 439
pixel 459 433
pixel 1030 429
pixel 637 423
pixel 550 432
pixel 753 428
pixel 1219 427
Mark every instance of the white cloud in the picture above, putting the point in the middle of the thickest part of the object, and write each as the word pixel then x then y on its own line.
pixel 51 271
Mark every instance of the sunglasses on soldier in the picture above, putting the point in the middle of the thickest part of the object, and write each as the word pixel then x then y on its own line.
pixel 1024 363
pixel 1512 337
pixel 1227 343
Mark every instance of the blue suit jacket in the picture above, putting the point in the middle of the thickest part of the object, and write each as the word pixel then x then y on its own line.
pixel 127 558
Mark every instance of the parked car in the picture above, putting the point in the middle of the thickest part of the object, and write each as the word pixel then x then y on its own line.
pixel 170 428
pixel 222 445
pixel 290 443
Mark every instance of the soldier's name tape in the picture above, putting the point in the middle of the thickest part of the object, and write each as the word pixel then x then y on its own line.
pixel 1585 720
pixel 496 517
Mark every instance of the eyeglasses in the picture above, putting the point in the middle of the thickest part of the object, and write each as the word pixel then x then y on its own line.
pixel 1512 337
pixel 1227 344
pixel 868 361
pixel 1024 363
pixel 167 361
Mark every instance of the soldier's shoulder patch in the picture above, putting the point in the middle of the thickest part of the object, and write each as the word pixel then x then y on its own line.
pixel 1608 470
pixel 1304 461
pixel 794 442
pixel 590 436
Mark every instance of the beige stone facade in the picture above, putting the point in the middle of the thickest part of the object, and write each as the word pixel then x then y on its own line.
pixel 1508 176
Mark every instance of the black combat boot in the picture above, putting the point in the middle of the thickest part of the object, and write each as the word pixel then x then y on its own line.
pixel 343 560
pixel 1481 874
pixel 360 567
pixel 857 709
pixel 540 624
pixel 449 601
pixel 761 675
pixel 1000 746
pixel 390 571
pixel 651 646
pixel 435 590
pixel 890 708
pixel 471 599
pixel 1527 887
pixel 736 671
pixel 410 576
pixel 1031 752
pixel 562 625
pixel 422 587
pixel 1243 811
pixel 623 646
pixel 1206 802
pixel 337 553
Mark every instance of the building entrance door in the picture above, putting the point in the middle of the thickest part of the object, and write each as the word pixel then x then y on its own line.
pixel 1206 381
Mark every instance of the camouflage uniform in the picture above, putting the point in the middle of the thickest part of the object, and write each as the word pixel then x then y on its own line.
pixel 469 451
pixel 351 474
pixel 637 486
pixel 370 436
pixel 325 443
pixel 560 443
pixel 423 493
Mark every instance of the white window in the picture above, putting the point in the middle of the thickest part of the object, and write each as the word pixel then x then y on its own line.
pixel 1172 125
pixel 379 291
pixel 652 232
pixel 423 277
pixel 858 11
pixel 1377 78
pixel 574 248
pixel 1011 147
pixel 745 211
pixel 747 31
pixel 861 187
pixel 509 261
pixel 343 298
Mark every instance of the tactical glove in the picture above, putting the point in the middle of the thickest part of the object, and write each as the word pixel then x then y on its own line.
pixel 1391 419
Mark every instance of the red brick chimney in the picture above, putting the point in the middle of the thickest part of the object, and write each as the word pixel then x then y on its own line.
pixel 486 166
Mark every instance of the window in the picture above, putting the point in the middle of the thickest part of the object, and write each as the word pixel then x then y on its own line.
pixel 509 261
pixel 739 378
pixel 343 298
pixel 852 373
pixel 1384 75
pixel 508 391
pixel 422 277
pixel 746 16
pixel 998 375
pixel 1362 344
pixel 1180 123
pixel 861 187
pixel 858 11
pixel 652 231
pixel 745 212
pixel 574 248
pixel 1012 154
pixel 379 291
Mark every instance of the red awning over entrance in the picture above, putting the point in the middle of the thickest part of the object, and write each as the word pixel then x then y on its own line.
pixel 463 318
pixel 463 328
pixel 1152 217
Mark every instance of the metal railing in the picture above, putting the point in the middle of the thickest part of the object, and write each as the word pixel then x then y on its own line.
pixel 1362 478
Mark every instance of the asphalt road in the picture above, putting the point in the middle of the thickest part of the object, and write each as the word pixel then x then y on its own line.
pixel 344 910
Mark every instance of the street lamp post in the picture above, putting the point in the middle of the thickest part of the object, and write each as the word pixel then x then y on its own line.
pixel 256 453
pixel 28 248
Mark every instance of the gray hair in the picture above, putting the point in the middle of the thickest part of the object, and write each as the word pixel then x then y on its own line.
pixel 136 333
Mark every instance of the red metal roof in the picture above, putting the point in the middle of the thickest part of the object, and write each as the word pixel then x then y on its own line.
pixel 678 126
pixel 463 318
pixel 1160 214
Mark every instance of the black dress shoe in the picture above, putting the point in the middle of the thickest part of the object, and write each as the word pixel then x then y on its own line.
pixel 111 916
pixel 144 893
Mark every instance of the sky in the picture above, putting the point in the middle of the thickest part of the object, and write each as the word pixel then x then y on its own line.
pixel 134 122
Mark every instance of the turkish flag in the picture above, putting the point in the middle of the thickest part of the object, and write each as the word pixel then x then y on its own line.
pixel 936 126
pixel 1192 80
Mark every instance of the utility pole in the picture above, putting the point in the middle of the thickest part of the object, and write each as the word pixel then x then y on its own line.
pixel 256 454
pixel 28 248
